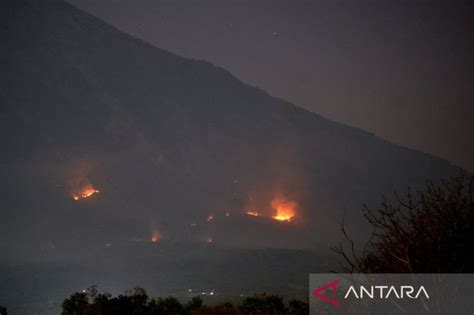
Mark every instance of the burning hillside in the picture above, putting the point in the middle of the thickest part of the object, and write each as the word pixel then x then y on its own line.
pixel 155 236
pixel 253 213
pixel 85 192
pixel 285 210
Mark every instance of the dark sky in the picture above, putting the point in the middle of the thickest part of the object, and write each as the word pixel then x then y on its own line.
pixel 400 69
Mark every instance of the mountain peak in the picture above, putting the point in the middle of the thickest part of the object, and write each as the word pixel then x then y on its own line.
pixel 170 139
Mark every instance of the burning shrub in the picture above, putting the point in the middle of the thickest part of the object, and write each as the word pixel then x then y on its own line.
pixel 285 210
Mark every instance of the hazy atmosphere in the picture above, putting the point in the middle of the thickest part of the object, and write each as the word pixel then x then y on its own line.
pixel 216 151
pixel 400 69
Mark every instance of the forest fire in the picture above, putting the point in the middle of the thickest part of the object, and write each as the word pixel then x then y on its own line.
pixel 210 218
pixel 85 192
pixel 253 213
pixel 285 210
pixel 155 236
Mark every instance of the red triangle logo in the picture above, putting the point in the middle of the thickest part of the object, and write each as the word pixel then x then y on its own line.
pixel 331 300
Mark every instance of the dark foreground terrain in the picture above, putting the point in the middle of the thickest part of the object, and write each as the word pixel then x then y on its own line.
pixel 184 271
pixel 136 301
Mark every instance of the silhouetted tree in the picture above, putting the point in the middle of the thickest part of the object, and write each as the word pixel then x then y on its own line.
pixel 3 310
pixel 136 301
pixel 193 304
pixel 430 231
pixel 76 304
pixel 226 308
pixel 297 307
pixel 263 304
pixel 168 306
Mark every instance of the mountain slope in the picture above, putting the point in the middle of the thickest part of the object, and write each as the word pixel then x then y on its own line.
pixel 168 141
pixel 178 150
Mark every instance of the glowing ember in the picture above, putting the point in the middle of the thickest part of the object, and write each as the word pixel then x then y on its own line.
pixel 209 240
pixel 155 236
pixel 210 218
pixel 253 213
pixel 85 192
pixel 285 210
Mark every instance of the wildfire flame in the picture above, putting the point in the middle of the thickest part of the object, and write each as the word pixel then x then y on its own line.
pixel 210 218
pixel 253 213
pixel 285 210
pixel 85 192
pixel 155 236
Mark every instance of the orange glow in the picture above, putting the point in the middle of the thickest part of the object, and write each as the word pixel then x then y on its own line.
pixel 155 236
pixel 85 192
pixel 209 240
pixel 285 210
pixel 253 213
pixel 210 218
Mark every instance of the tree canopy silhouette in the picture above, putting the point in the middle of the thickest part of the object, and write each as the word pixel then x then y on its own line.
pixel 429 231
pixel 137 301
